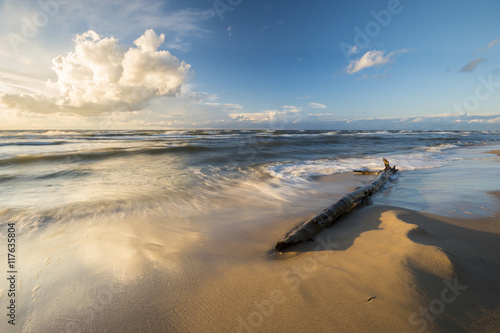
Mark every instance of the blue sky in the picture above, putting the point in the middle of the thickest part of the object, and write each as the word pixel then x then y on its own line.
pixel 250 64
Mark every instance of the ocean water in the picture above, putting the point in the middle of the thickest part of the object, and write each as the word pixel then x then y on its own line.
pixel 82 177
pixel 117 229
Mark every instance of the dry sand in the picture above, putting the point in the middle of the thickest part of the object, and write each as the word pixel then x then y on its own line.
pixel 380 269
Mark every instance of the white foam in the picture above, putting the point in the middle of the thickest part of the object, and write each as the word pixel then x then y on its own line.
pixel 57 133
pixel 175 133
pixel 302 171
pixel 375 133
pixel 440 148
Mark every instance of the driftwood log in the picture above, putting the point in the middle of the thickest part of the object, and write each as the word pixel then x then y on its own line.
pixel 311 227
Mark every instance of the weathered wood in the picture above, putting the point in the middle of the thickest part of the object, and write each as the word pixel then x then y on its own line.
pixel 366 172
pixel 326 218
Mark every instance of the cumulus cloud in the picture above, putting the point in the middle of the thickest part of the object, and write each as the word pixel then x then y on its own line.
pixel 100 70
pixel 35 103
pixel 272 119
pixel 471 66
pixel 317 105
pixel 101 75
pixel 281 118
pixel 371 59
pixel 285 116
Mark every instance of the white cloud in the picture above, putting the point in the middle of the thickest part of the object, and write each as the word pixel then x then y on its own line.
pixel 256 117
pixel 317 105
pixel 353 50
pixel 101 75
pixel 275 119
pixel 291 108
pixel 21 37
pixel 268 119
pixel 371 59
pixel 471 66
pixel 226 115
pixel 281 118
pixel 28 102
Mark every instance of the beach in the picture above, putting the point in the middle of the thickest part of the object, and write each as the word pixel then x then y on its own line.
pixel 420 256
pixel 230 166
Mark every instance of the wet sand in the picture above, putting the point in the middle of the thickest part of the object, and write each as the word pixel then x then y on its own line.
pixel 386 267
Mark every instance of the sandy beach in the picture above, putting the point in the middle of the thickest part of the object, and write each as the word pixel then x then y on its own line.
pixel 382 268
pixel 158 159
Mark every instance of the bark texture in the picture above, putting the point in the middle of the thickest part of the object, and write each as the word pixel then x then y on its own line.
pixel 326 218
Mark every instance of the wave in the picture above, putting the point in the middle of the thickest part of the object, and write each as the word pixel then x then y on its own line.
pixel 75 156
pixel 33 143
pixel 376 132
pixel 440 148
pixel 66 174
pixel 188 134
pixel 6 178
pixel 109 210
pixel 175 133
pixel 29 220
pixel 62 174
pixel 59 133
pixel 305 170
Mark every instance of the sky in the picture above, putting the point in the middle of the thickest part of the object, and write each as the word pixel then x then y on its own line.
pixel 241 64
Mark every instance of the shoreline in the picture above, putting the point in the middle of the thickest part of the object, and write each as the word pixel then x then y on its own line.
pixel 383 267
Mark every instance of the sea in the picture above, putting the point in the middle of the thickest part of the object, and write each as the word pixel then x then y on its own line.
pixel 72 176
pixel 121 228
pixel 50 177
